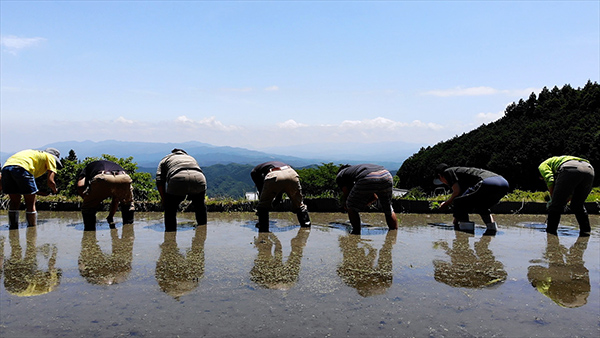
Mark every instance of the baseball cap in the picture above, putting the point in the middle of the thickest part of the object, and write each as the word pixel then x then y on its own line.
pixel 54 152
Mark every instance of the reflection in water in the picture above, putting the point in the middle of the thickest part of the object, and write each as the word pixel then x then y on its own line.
pixel 1 255
pixel 358 268
pixel 178 274
pixel 269 270
pixel 22 276
pixel 100 268
pixel 566 280
pixel 469 268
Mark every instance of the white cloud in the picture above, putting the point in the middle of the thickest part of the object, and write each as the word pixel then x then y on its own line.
pixel 183 119
pixel 14 43
pixel 272 89
pixel 123 120
pixel 209 122
pixel 489 117
pixel 291 124
pixel 383 123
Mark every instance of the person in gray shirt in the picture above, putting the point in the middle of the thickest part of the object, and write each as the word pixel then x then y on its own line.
pixel 473 189
pixel 179 176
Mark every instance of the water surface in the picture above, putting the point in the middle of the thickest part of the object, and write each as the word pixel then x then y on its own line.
pixel 226 280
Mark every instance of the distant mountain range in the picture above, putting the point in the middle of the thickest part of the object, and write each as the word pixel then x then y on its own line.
pixel 148 154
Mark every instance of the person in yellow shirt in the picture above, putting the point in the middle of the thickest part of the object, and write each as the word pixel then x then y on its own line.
pixel 18 179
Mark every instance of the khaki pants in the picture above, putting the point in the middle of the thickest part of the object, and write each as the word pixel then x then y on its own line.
pixel 103 186
pixel 278 181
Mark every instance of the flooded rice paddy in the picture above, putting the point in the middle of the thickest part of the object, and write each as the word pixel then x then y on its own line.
pixel 226 280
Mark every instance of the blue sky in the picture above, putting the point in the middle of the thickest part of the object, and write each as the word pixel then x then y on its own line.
pixel 263 74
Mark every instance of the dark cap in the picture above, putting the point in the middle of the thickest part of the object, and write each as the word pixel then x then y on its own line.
pixel 438 171
pixel 177 150
pixel 441 168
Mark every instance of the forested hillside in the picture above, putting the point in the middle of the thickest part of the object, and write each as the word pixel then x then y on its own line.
pixel 563 121
pixel 228 180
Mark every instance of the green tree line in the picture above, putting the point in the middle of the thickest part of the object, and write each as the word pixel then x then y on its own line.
pixel 560 121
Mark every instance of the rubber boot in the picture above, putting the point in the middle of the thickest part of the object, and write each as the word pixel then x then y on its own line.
pixel 111 222
pixel 466 226
pixel 304 219
pixel 127 216
pixel 263 220
pixel 201 216
pixel 584 224
pixel 491 229
pixel 170 220
pixel 552 223
pixel 89 220
pixel 31 218
pixel 13 219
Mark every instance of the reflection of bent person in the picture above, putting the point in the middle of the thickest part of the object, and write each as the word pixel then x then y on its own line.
pixel 101 268
pixel 468 268
pixel 178 274
pixel 22 276
pixel 566 280
pixel 1 255
pixel 269 270
pixel 358 268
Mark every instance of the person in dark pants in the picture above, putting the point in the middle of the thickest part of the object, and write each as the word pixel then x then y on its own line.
pixel 473 189
pixel 272 179
pixel 179 175
pixel 362 185
pixel 98 181
pixel 568 178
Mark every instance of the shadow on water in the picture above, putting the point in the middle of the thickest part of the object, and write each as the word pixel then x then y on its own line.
pixel 100 226
pixel 366 229
pixel 563 230
pixel 478 230
pixel 274 226
pixel 181 226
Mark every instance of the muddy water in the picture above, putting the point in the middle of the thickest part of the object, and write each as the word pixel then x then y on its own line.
pixel 226 280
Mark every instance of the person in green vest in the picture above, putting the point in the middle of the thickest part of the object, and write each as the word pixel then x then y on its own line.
pixel 568 178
